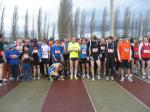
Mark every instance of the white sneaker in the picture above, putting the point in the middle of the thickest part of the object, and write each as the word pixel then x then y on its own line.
pixel 88 77
pixel 98 77
pixel 34 78
pixel 148 76
pixel 38 78
pixel 75 77
pixel 107 78
pixel 1 84
pixel 112 78
pixel 122 79
pixel 93 79
pixel 130 79
pixel 83 76
pixel 126 75
pixel 71 77
pixel 143 77
pixel 10 78
pixel 5 80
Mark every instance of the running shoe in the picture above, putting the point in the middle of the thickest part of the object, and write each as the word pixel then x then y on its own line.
pixel 112 78
pixel 98 77
pixel 93 79
pixel 122 79
pixel 88 77
pixel 83 76
pixel 107 78
pixel 1 84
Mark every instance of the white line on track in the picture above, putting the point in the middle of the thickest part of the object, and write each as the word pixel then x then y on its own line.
pixel 132 96
pixel 89 96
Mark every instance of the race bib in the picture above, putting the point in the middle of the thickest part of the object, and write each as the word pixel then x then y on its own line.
pixel 102 48
pixel 84 52
pixel 146 51
pixel 95 50
pixel 35 51
pixel 57 52
pixel 126 50
pixel 110 50
pixel 26 55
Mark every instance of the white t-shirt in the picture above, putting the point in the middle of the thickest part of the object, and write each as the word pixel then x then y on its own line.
pixel 45 49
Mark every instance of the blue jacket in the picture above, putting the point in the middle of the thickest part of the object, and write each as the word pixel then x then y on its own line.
pixel 83 53
pixel 13 61
pixel 7 55
pixel 57 50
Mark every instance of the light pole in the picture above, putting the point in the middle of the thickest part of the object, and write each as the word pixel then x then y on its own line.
pixel 112 15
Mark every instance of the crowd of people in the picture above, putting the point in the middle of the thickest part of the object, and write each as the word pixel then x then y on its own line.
pixel 73 58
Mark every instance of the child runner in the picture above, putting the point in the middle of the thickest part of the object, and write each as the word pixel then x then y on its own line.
pixel 144 55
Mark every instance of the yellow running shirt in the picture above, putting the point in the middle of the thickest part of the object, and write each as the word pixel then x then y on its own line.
pixel 74 49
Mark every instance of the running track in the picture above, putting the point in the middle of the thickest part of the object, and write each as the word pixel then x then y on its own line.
pixel 67 96
pixel 5 89
pixel 139 88
pixel 71 95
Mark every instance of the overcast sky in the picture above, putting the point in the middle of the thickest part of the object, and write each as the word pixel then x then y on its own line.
pixel 52 6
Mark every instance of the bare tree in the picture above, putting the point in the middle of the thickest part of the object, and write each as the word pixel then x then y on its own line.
pixel 82 24
pixel 2 21
pixel 26 25
pixel 65 18
pixel 45 25
pixel 132 34
pixel 140 22
pixel 53 30
pixel 127 20
pixel 39 24
pixel 76 22
pixel 116 26
pixel 14 25
pixel 104 22
pixel 47 31
pixel 92 23
pixel 146 22
pixel 33 29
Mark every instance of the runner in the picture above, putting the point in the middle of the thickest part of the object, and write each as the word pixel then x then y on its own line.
pixel 14 61
pixel 144 55
pixel 26 61
pixel 2 59
pixel 36 59
pixel 84 59
pixel 124 56
pixel 102 58
pixel 110 59
pixel 94 54
pixel 57 52
pixel 54 71
pixel 136 56
pixel 74 48
pixel 45 54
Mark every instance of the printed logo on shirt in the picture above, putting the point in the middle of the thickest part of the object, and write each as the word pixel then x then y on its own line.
pixel 126 49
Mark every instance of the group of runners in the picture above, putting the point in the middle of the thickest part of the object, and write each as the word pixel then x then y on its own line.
pixel 75 58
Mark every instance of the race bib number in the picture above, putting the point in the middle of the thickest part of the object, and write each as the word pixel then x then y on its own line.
pixel 126 50
pixel 95 50
pixel 44 51
pixel 35 51
pixel 57 52
pixel 26 56
pixel 102 48
pixel 110 50
pixel 146 51
pixel 83 52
